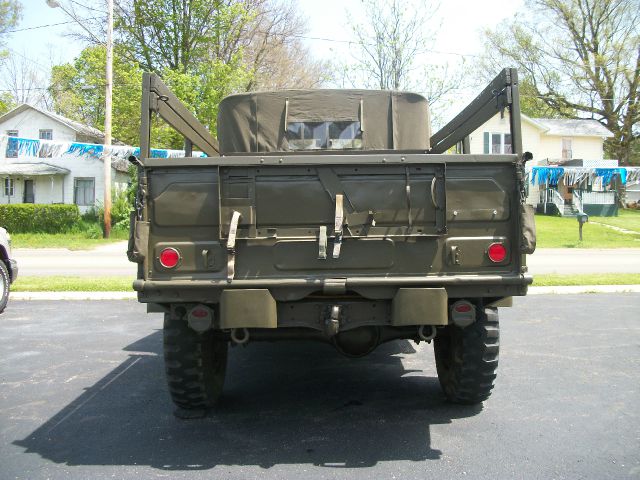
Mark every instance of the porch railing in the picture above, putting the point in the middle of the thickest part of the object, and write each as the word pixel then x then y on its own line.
pixel 577 201
pixel 548 196
pixel 598 198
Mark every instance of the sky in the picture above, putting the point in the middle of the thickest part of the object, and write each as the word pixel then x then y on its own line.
pixel 459 35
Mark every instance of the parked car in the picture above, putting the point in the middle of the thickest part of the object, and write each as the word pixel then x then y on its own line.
pixel 8 268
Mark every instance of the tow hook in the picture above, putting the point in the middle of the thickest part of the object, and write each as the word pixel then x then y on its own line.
pixel 428 335
pixel 332 324
pixel 239 336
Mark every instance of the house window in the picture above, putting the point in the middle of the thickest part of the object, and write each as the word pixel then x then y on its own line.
pixel 12 148
pixel 567 153
pixel 8 187
pixel 497 143
pixel 84 191
pixel 45 134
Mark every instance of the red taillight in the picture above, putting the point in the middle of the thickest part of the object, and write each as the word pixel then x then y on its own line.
pixel 169 257
pixel 462 307
pixel 200 312
pixel 497 252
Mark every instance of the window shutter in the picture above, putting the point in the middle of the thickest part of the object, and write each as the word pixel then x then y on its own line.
pixel 486 142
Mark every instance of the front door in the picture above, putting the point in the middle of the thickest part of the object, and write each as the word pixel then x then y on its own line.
pixel 28 192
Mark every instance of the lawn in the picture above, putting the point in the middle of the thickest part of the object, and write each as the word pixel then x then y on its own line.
pixel 72 241
pixel 562 232
pixel 627 219
pixel 586 279
pixel 72 284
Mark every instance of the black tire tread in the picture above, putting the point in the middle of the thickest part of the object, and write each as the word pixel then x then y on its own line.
pixel 467 358
pixel 5 286
pixel 195 364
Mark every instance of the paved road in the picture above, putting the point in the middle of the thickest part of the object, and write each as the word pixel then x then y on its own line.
pixel 584 260
pixel 82 395
pixel 111 260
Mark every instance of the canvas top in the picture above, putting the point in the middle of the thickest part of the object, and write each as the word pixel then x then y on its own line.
pixel 328 120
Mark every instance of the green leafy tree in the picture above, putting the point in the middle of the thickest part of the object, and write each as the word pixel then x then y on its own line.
pixel 579 59
pixel 78 92
pixel 10 15
pixel 6 102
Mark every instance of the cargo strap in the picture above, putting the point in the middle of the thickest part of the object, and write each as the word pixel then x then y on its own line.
pixel 339 221
pixel 231 246
pixel 322 243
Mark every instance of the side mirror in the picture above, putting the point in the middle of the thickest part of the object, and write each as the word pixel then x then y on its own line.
pixel 527 156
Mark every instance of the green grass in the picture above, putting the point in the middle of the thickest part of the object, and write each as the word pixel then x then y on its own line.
pixel 83 240
pixel 586 279
pixel 627 219
pixel 562 232
pixel 72 284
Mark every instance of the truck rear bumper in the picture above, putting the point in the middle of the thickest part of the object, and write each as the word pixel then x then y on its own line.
pixel 290 289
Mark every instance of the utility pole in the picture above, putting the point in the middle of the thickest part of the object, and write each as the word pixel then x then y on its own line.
pixel 108 106
pixel 107 122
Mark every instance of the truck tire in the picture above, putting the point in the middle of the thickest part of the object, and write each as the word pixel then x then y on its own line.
pixel 4 286
pixel 467 358
pixel 195 365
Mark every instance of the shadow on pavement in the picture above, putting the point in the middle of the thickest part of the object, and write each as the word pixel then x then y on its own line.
pixel 284 403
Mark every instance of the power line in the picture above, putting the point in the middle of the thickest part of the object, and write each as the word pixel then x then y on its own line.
pixel 50 25
pixel 87 7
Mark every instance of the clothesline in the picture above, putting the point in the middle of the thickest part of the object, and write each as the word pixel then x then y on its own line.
pixel 29 147
pixel 576 175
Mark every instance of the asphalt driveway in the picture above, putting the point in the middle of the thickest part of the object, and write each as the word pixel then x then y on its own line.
pixel 82 395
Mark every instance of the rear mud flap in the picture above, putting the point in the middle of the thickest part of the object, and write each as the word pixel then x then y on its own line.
pixel 251 308
pixel 420 306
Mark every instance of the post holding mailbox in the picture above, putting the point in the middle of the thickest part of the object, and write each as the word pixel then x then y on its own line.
pixel 582 219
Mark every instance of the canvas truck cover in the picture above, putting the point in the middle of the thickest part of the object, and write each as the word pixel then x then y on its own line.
pixel 295 120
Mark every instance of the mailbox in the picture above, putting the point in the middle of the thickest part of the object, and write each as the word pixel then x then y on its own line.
pixel 582 219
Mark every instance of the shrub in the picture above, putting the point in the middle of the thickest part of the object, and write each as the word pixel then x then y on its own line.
pixel 36 218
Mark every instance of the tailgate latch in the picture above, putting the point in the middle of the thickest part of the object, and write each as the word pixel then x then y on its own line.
pixel 231 245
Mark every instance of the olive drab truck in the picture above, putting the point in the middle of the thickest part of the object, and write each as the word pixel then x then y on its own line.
pixel 330 215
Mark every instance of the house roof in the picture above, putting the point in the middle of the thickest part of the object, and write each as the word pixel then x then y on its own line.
pixel 31 169
pixel 583 127
pixel 78 127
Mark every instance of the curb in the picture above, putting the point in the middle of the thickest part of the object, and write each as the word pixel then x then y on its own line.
pixel 564 290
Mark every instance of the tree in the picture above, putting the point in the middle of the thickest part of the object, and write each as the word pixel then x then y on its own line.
pixel 393 40
pixel 581 59
pixel 78 91
pixel 261 36
pixel 21 82
pixel 10 15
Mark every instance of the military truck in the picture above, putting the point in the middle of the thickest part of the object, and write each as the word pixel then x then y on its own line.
pixel 330 215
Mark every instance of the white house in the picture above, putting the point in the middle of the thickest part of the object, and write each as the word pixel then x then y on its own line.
pixel 47 158
pixel 575 147
pixel 551 140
